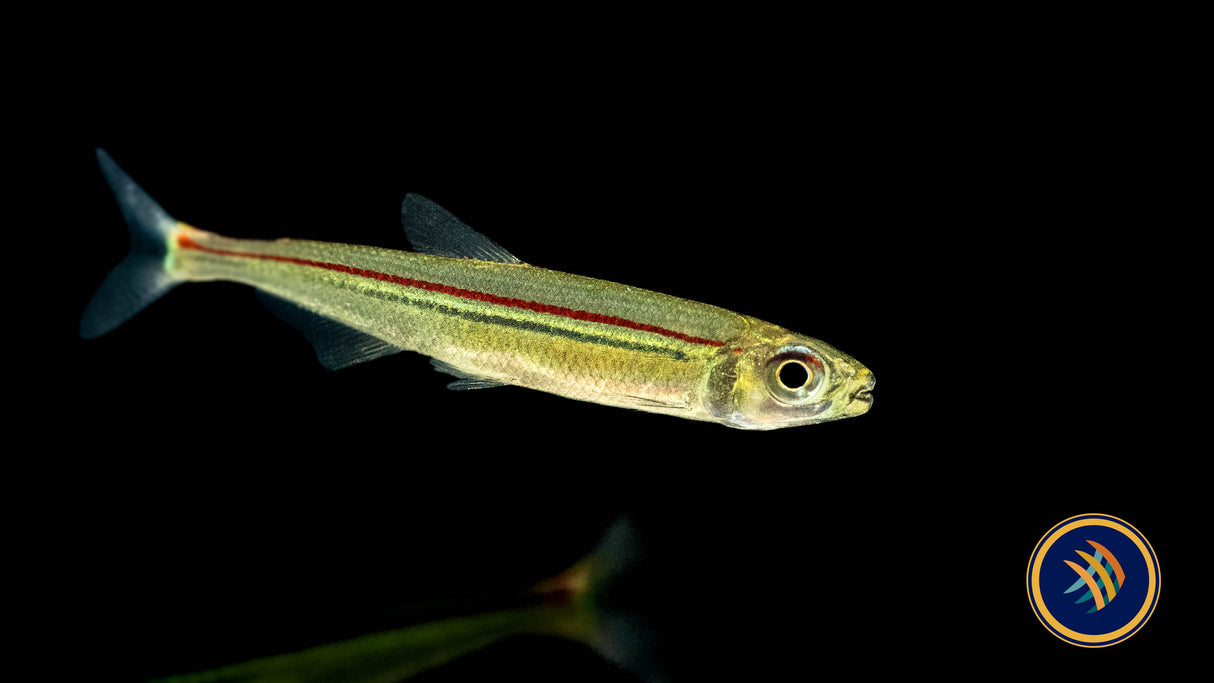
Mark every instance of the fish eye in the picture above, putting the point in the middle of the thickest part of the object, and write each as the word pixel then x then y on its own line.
pixel 794 375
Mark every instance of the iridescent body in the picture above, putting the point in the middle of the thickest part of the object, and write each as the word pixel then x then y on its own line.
pixel 489 319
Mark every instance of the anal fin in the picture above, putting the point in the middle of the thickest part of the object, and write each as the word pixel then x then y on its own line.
pixel 337 345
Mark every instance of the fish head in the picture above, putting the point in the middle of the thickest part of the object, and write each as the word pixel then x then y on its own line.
pixel 787 380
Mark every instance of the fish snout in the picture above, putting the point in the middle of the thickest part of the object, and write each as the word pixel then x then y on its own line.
pixel 864 383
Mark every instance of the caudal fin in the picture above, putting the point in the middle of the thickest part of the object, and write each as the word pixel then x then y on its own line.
pixel 600 586
pixel 140 278
pixel 622 634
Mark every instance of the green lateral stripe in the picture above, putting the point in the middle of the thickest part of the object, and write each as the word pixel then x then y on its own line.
pixel 395 296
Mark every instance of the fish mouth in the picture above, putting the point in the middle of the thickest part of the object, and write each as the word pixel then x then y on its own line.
pixel 865 393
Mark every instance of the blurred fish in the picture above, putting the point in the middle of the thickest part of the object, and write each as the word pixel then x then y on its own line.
pixel 489 319
pixel 575 604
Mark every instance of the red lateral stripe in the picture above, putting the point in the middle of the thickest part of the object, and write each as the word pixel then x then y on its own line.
pixel 184 242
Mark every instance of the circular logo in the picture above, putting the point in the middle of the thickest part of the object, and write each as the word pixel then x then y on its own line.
pixel 1093 580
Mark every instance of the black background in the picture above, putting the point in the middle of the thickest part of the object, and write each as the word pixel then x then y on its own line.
pixel 994 226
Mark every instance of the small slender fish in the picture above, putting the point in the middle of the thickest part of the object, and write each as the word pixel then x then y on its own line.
pixel 577 604
pixel 489 319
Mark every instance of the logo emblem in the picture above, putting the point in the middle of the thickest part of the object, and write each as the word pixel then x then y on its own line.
pixel 1105 596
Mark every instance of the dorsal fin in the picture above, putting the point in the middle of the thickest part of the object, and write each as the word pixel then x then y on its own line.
pixel 431 229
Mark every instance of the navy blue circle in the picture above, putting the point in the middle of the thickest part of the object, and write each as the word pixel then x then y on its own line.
pixel 1056 577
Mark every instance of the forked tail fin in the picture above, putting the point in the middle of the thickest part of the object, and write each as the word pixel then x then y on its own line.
pixel 140 278
pixel 592 586
pixel 620 634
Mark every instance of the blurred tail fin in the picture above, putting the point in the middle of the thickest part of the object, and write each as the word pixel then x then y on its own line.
pixel 599 587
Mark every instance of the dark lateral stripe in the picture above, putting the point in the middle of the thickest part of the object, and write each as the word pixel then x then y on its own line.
pixel 184 242
pixel 533 326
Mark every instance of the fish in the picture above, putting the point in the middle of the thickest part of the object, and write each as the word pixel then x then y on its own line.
pixel 489 319
pixel 582 604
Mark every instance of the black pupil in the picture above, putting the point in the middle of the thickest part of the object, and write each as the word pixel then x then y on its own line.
pixel 793 375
